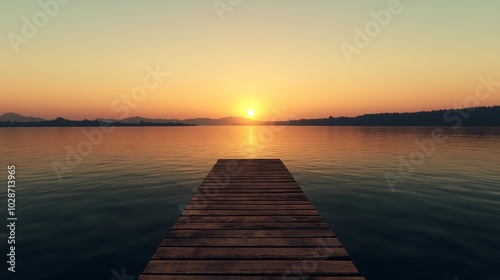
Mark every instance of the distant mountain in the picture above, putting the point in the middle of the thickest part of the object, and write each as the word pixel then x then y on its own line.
pixel 138 119
pixel 476 116
pixel 13 117
pixel 196 121
pixel 61 122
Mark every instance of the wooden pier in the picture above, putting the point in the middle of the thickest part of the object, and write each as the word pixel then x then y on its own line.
pixel 250 220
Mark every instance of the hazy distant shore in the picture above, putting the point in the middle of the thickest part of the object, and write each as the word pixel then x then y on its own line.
pixel 84 123
pixel 476 116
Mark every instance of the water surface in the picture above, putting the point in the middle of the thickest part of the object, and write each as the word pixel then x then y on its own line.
pixel 112 210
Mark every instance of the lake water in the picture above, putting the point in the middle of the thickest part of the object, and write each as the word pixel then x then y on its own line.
pixel 108 215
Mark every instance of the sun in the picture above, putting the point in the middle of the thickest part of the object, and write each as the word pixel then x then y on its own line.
pixel 250 113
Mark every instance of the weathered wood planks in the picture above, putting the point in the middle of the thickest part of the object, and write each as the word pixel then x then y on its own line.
pixel 250 220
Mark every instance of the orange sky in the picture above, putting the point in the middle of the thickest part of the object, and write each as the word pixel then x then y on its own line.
pixel 85 61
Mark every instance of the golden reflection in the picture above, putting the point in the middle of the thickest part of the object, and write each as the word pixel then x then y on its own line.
pixel 248 147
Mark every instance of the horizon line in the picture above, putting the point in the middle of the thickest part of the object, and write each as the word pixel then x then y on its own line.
pixel 251 119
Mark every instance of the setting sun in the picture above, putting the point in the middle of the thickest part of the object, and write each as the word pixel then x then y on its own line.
pixel 251 113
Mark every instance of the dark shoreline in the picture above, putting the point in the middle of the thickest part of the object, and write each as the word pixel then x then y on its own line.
pixel 86 124
pixel 474 116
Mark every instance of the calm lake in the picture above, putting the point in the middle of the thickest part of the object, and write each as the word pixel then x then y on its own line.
pixel 439 219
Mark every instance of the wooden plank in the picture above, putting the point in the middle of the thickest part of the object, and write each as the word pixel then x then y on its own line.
pixel 252 202
pixel 252 190
pixel 250 253
pixel 267 277
pixel 251 179
pixel 261 185
pixel 249 267
pixel 216 233
pixel 250 220
pixel 254 226
pixel 247 242
pixel 261 198
pixel 248 206
pixel 256 175
pixel 232 187
pixel 250 212
pixel 252 195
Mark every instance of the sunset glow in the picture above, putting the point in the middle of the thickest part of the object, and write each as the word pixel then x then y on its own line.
pixel 91 63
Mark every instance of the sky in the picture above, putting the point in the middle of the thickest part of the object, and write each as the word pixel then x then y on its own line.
pixel 110 59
